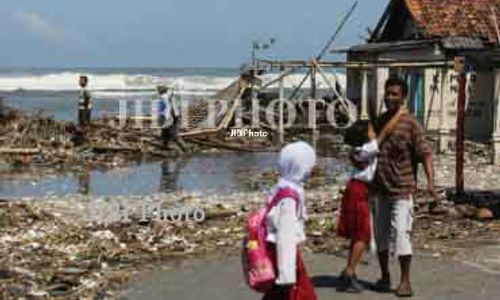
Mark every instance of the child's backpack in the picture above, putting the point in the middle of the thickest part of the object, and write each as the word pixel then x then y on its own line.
pixel 259 265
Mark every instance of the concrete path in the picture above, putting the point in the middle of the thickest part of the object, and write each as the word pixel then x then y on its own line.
pixel 221 279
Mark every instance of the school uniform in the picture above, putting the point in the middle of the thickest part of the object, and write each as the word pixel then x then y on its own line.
pixel 355 220
pixel 285 226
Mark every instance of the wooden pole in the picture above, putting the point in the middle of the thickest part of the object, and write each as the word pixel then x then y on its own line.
pixel 364 95
pixel 282 96
pixel 460 134
pixel 284 74
pixel 359 64
pixel 313 81
pixel 331 86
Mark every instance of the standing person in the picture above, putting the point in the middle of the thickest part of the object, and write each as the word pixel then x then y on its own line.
pixel 285 224
pixel 355 220
pixel 84 103
pixel 396 184
pixel 169 118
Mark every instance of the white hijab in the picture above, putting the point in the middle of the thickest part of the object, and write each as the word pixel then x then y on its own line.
pixel 295 163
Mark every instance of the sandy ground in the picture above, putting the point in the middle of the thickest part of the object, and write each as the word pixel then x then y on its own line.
pixel 474 277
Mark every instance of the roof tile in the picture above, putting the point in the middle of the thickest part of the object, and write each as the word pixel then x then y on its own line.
pixel 468 18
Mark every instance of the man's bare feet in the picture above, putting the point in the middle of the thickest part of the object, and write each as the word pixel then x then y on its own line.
pixel 404 290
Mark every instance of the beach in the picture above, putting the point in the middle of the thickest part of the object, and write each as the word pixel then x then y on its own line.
pixel 94 221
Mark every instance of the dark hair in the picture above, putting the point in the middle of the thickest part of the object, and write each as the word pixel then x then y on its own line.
pixel 357 134
pixel 392 81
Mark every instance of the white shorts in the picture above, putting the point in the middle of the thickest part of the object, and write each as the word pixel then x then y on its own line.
pixel 393 225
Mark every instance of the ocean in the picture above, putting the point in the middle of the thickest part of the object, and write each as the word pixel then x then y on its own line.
pixel 53 92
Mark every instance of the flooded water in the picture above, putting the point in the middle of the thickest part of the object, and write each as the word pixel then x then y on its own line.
pixel 218 173
pixel 54 92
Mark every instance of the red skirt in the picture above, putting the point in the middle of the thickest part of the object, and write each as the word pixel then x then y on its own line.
pixel 355 223
pixel 303 289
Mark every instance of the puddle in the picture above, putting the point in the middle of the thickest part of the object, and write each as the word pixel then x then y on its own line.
pixel 219 173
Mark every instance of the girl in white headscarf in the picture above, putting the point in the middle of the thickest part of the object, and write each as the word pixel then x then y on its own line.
pixel 285 223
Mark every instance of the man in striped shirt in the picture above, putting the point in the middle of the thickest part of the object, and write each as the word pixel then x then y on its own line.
pixel 395 183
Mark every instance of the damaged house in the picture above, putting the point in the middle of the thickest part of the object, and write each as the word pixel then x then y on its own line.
pixel 418 40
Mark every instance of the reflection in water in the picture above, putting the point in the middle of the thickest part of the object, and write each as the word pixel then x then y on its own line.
pixel 84 183
pixel 170 171
pixel 218 173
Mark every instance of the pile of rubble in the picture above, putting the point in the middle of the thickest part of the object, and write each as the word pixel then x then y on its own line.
pixel 33 140
pixel 47 250
pixel 44 255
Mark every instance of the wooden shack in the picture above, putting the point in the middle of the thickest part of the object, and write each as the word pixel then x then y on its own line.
pixel 418 41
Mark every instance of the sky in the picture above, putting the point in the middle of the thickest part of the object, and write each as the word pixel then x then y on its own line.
pixel 173 33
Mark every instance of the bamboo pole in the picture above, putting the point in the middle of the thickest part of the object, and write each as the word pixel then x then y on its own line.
pixel 313 81
pixel 282 96
pixel 360 64
pixel 331 86
pixel 364 95
pixel 297 88
pixel 328 44
pixel 282 75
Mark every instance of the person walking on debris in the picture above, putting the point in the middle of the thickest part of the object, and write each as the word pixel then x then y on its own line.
pixel 169 118
pixel 84 103
pixel 395 182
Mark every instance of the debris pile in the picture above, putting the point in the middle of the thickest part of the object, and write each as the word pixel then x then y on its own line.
pixel 33 140
pixel 47 255
pixel 50 252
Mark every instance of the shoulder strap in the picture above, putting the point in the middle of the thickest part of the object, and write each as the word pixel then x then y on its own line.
pixel 282 194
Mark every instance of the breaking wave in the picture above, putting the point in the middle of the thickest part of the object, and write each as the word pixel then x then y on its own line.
pixel 116 85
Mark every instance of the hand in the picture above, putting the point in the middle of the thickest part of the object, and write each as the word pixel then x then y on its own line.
pixel 432 192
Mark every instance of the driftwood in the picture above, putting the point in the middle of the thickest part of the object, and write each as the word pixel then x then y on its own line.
pixel 26 151
pixel 109 148
pixel 229 146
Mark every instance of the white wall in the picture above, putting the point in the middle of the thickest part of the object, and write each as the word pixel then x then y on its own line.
pixel 441 92
pixel 479 105
pixel 444 94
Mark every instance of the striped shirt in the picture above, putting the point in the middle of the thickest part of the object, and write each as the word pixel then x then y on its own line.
pixel 398 154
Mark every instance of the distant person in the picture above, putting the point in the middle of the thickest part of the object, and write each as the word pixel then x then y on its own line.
pixel 355 220
pixel 251 84
pixel 169 118
pixel 84 103
pixel 286 221
pixel 395 181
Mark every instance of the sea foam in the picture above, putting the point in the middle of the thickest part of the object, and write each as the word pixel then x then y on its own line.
pixel 113 85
